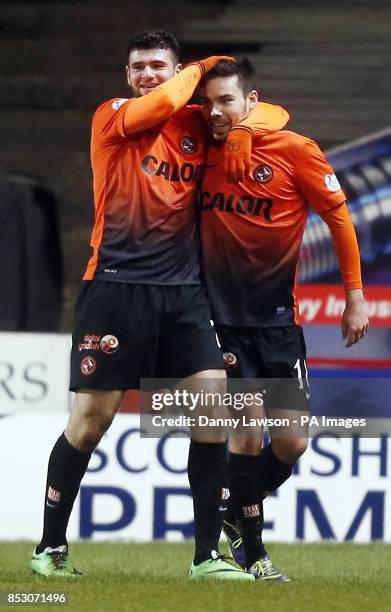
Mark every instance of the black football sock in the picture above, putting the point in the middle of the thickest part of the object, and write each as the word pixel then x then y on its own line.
pixel 251 530
pixel 243 484
pixel 262 546
pixel 230 515
pixel 229 522
pixel 271 471
pixel 67 466
pixel 207 471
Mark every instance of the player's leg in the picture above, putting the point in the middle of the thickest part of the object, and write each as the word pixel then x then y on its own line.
pixel 107 358
pixel 207 463
pixel 283 356
pixel 243 521
pixel 190 351
pixel 207 473
pixel 276 460
pixel 273 466
pixel 92 414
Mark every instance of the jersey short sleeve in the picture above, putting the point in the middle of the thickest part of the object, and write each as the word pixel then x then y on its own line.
pixel 315 178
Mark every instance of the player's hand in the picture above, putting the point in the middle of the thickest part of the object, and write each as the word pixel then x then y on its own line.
pixel 237 154
pixel 354 322
pixel 210 62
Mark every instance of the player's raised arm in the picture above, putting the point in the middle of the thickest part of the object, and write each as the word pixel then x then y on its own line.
pixel 329 201
pixel 158 105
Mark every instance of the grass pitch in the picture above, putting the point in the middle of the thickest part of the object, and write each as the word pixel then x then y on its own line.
pixel 153 577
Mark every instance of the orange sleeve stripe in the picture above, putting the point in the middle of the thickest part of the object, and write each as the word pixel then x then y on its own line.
pixel 158 105
pixel 346 246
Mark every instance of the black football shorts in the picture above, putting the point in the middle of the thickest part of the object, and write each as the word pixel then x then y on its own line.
pixel 271 359
pixel 124 332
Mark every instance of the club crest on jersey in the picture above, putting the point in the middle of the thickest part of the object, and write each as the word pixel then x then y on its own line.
pixel 263 174
pixel 332 182
pixel 109 344
pixel 188 145
pixel 88 366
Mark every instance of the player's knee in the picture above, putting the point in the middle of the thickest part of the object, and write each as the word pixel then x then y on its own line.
pixel 213 436
pixel 214 392
pixel 92 414
pixel 289 450
pixel 87 433
pixel 245 445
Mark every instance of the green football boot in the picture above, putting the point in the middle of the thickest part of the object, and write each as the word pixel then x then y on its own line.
pixel 217 568
pixel 53 562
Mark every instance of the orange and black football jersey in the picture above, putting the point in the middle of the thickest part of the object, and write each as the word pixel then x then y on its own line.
pixel 251 232
pixel 144 190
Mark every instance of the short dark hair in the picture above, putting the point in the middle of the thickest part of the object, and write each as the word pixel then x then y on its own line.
pixel 243 69
pixel 153 39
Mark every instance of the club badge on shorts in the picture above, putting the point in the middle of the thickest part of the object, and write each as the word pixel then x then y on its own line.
pixel 109 343
pixel 230 360
pixel 88 365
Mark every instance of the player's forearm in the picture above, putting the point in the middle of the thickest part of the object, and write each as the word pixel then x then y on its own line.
pixel 264 117
pixel 346 247
pixel 354 296
pixel 162 102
